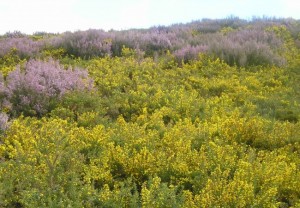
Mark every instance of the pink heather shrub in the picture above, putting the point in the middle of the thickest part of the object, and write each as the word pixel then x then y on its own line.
pixel 3 121
pixel 25 46
pixel 244 44
pixel 1 83
pixel 34 90
pixel 247 47
pixel 189 52
pixel 2 91
pixel 154 40
pixel 14 34
pixel 124 38
pixel 85 44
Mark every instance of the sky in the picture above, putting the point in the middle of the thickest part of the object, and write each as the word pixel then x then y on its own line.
pixel 57 16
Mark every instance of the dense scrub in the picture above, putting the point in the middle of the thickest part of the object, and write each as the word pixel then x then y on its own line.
pixel 140 119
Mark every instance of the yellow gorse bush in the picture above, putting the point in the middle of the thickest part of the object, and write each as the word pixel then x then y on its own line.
pixel 201 135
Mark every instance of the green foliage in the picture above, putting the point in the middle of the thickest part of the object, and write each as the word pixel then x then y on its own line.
pixel 38 153
pixel 82 107
pixel 58 53
pixel 9 62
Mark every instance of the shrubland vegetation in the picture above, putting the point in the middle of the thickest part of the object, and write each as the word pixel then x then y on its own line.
pixel 204 114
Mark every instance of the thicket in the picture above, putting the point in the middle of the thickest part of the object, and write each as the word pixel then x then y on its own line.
pixel 204 114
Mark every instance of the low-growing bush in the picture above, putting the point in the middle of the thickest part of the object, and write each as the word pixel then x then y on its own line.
pixel 189 52
pixel 35 89
pixel 25 47
pixel 85 44
pixel 3 121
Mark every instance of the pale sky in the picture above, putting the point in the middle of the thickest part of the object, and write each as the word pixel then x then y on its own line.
pixel 29 16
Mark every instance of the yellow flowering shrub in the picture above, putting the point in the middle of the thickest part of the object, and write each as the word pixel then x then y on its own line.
pixel 154 134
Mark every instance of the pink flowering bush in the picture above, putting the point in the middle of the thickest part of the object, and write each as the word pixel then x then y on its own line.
pixel 247 47
pixel 36 89
pixel 2 91
pixel 189 52
pixel 244 47
pixel 24 46
pixel 155 40
pixel 3 121
pixel 85 44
